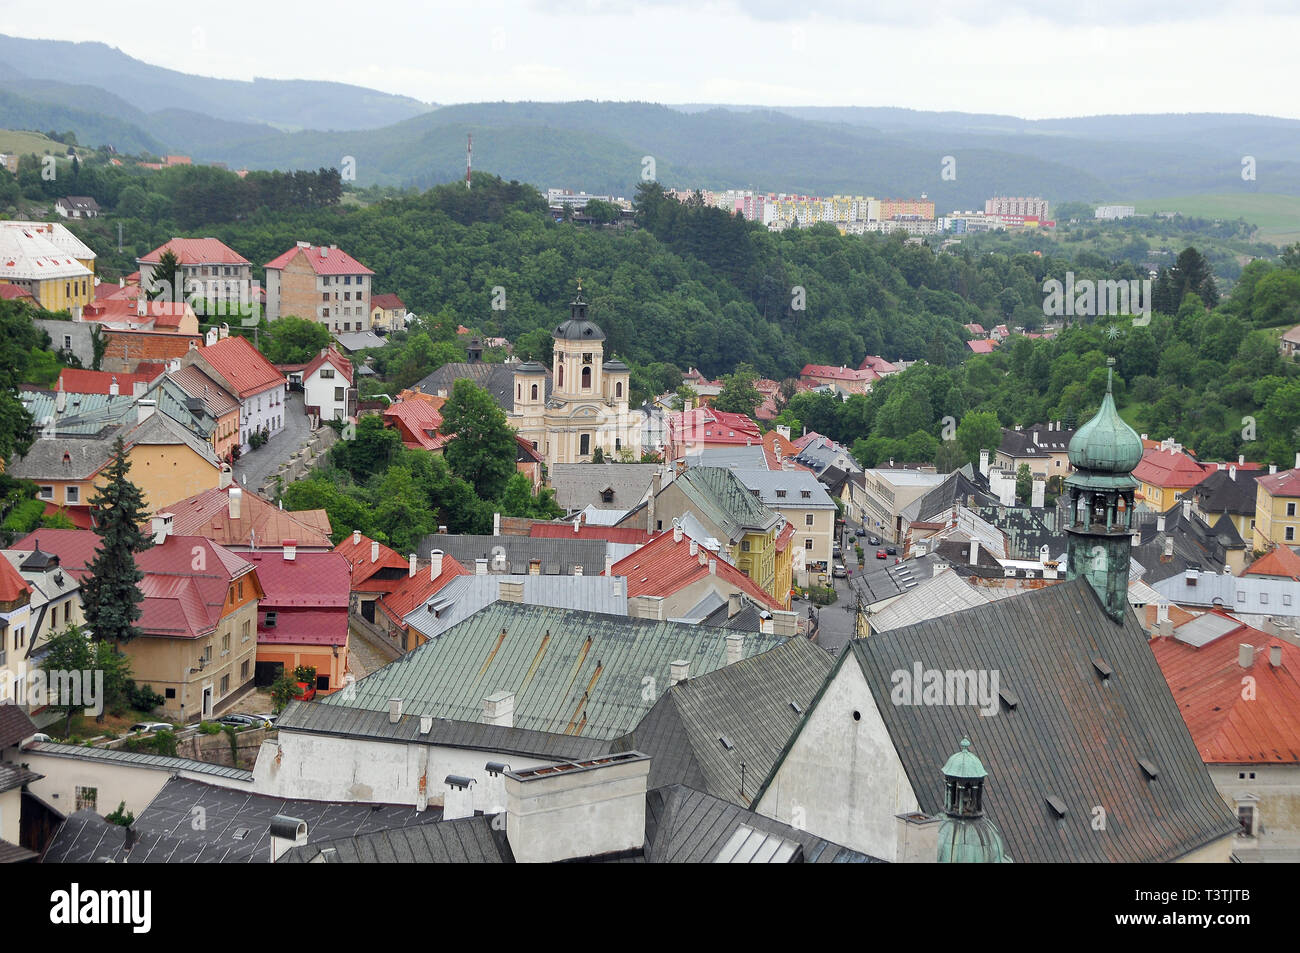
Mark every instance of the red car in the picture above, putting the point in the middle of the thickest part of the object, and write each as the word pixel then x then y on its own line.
pixel 305 694
pixel 880 554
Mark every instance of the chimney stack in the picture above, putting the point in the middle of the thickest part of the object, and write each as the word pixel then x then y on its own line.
pixel 480 566
pixel 234 499
pixel 1187 509
pixel 356 537
pixel 695 548
pixel 435 564
pixel 534 567
pixel 677 533
pixel 458 799
pixel 145 409
pixel 984 462
pixel 609 564
pixel 499 709
pixel 510 590
pixel 679 671
pixel 496 524
pixel 1275 656
pixel 1245 655
pixel 974 551
pixel 290 550
pixel 735 647
pixel 1039 494
pixel 1160 523
pixel 733 604
pixel 374 550
pixel 286 834
pixel 162 527
pixel 113 388
pixel 225 478
pixel 410 570
pixel 577 570
pixel 394 710
pixel 713 567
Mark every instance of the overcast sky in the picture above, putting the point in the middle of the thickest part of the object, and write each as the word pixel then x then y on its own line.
pixel 1031 59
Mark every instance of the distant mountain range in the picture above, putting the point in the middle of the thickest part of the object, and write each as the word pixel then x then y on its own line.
pixel 106 96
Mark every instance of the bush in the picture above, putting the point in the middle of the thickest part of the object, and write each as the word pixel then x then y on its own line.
pixel 209 728
pixel 121 816
pixel 822 595
pixel 142 697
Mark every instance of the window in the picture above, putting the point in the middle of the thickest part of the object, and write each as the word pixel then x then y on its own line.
pixel 270 620
pixel 225 684
pixel 170 693
pixel 805 494
pixel 325 296
pixel 243 671
pixel 584 445
pixel 241 589
pixel 47 493
pixel 618 389
pixel 243 631
pixel 1246 817
pixel 326 373
pixel 534 397
pixel 86 798
pixel 744 546
pixel 559 377
pixel 338 393
pixel 586 378
pixel 67 342
pixel 1290 509
pixel 225 644
pixel 807 544
pixel 19 638
pixel 72 494
pixel 807 519
pixel 586 358
pixel 1290 533
pixel 780 494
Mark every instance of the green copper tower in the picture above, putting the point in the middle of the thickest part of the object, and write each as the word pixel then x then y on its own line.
pixel 966 836
pixel 1103 453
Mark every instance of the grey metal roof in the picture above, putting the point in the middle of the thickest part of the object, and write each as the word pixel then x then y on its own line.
pixel 1227 492
pixel 1074 734
pixel 794 483
pixel 497 379
pixel 136 759
pixel 885 579
pixel 360 340
pixel 1258 595
pixel 937 596
pixel 15 776
pixel 235 829
pixel 465 595
pixel 726 502
pixel 375 726
pixel 955 488
pixel 572 672
pixel 578 485
pixel 511 554
pixel 755 704
pixel 466 840
pixel 749 458
pixel 685 826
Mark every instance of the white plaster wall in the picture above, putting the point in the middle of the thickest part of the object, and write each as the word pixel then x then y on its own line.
pixel 842 779
pixel 1278 788
pixel 328 768
pixel 270 414
pixel 320 393
pixel 10 810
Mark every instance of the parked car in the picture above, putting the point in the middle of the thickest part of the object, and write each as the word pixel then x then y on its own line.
pixel 151 726
pixel 892 550
pixel 266 716
pixel 874 540
pixel 239 720
pixel 880 554
pixel 860 532
pixel 40 736
pixel 305 694
pixel 839 572
pixel 838 552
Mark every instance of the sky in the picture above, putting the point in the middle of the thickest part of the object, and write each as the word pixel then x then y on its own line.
pixel 1031 59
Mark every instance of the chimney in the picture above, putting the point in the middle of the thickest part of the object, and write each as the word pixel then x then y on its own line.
pixel 356 537
pixel 286 834
pixel 534 567
pixel 162 527
pixel 733 604
pixel 234 499
pixel 1039 494
pixel 974 551
pixel 1241 459
pixel 410 569
pixel 577 810
pixel 1272 469
pixel 1232 473
pixel 713 567
pixel 577 526
pixel 499 709
pixel 694 548
pixel 145 409
pixel 509 590
pixel 113 389
pixel 394 710
pixel 1245 655
pixel 609 564
pixel 1160 523
pixel 735 647
pixel 374 550
pixel 225 478
pixel 766 624
pixel 290 550
pixel 656 484
pixel 458 799
pixel 139 388
pixel 480 566
pixel 677 533
pixel 1275 656
pixel 496 524
pixel 1169 546
pixel 1187 509
pixel 679 671
pixel 1297 460
pixel 577 570
pixel 984 462
pixel 936 568
pixel 435 564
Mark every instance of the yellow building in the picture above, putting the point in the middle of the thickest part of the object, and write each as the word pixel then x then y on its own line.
pixel 45 264
pixel 1277 509
pixel 168 463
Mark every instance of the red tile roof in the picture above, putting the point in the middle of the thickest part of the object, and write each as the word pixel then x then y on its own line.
pixel 1282 483
pixel 709 426
pixel 610 534
pixel 1170 469
pixel 878 364
pixel 80 515
pixel 334 261
pixel 665 566
pixel 389 302
pixel 1282 561
pixel 1207 685
pixel 197 251
pixel 982 347
pixel 418 422
pixel 332 357
pixel 242 365
pixel 179 601
pixel 975 328
pixel 414 590
pixel 11 292
pixel 260 523
pixel 356 549
pixel 829 372
pixel 74 380
pixel 12 585
pixel 309 595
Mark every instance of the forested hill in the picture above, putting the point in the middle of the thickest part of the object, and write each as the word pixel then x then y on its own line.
pixel 691 286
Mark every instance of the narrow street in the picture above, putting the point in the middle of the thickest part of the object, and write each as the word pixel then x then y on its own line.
pixel 256 466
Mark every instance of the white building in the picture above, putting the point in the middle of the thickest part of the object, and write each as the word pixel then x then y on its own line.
pixel 327 384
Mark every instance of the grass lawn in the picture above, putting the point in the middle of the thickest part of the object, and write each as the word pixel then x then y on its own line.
pixel 26 143
pixel 85 726
pixel 1278 216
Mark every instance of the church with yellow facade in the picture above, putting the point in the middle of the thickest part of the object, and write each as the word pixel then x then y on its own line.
pixel 588 405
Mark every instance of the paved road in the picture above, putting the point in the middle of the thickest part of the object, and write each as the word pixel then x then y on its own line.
pixel 365 655
pixel 255 467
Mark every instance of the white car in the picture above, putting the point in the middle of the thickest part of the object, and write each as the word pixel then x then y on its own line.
pixel 152 726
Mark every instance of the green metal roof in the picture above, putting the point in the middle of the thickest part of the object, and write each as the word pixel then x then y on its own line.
pixel 964 764
pixel 725 501
pixel 572 672
pixel 973 841
pixel 1105 444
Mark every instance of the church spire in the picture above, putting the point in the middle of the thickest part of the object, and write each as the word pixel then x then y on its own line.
pixel 965 835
